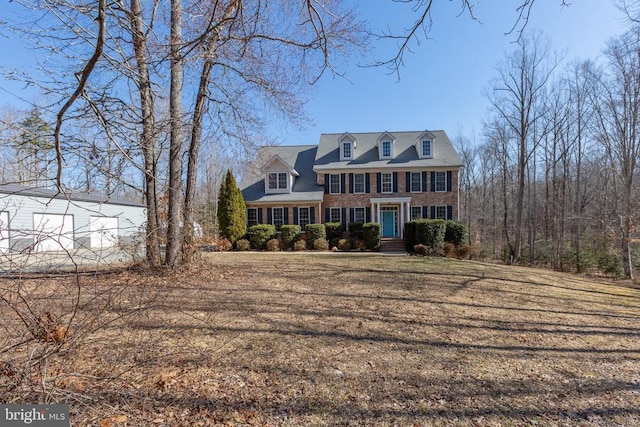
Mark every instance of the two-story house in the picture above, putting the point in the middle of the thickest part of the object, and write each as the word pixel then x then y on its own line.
pixel 387 177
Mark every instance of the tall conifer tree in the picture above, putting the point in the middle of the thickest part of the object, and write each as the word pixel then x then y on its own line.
pixel 231 210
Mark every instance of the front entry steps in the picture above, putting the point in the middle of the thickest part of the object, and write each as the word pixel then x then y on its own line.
pixel 392 244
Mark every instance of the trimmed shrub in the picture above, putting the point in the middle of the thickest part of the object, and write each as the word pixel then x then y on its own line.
pixel 431 232
pixel 344 245
pixel 224 245
pixel 355 228
pixel 299 245
pixel 273 245
pixel 243 245
pixel 321 245
pixel 421 249
pixel 333 243
pixel 314 232
pixel 290 235
pixel 450 250
pixel 260 234
pixel 456 232
pixel 334 230
pixel 371 235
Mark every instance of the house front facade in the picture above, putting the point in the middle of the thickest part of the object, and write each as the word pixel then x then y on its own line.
pixel 387 177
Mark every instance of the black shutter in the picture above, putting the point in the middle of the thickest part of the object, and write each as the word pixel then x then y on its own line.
pixel 395 182
pixel 295 215
pixel 269 216
pixel 449 176
pixel 350 183
pixel 449 212
pixel 433 212
pixel 327 215
pixel 367 214
pixel 285 214
pixel 408 182
pixel 344 218
pixel 312 215
pixel 327 182
pixel 433 181
pixel 352 214
pixel 259 215
pixel 367 183
pixel 425 212
pixel 343 188
pixel 424 182
pixel 379 182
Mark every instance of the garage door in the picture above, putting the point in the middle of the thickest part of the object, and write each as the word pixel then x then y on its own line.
pixel 104 231
pixel 4 231
pixel 54 232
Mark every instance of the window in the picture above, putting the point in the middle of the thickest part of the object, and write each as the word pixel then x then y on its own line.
pixel 358 183
pixel 441 181
pixel 416 182
pixel 441 212
pixel 277 217
pixel 303 217
pixel 386 149
pixel 277 181
pixel 416 212
pixel 359 215
pixel 334 184
pixel 387 182
pixel 347 150
pixel 426 148
pixel 252 216
pixel 335 214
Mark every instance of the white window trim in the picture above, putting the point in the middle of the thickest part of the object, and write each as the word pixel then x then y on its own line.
pixel 331 210
pixel 277 188
pixel 444 190
pixel 382 182
pixel 364 183
pixel 273 216
pixel 416 208
pixel 343 144
pixel 339 184
pixel 254 210
pixel 382 144
pixel 445 212
pixel 419 190
pixel 422 154
pixel 308 208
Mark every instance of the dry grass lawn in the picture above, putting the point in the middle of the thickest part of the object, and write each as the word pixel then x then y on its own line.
pixel 315 339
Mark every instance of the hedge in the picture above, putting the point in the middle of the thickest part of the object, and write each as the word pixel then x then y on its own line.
pixel 260 234
pixel 334 230
pixel 314 232
pixel 371 235
pixel 290 235
pixel 456 233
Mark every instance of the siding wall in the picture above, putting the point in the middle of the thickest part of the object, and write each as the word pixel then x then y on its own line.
pixel 20 209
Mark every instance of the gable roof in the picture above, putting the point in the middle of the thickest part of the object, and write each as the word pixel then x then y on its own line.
pixel 300 158
pixel 366 154
pixel 23 190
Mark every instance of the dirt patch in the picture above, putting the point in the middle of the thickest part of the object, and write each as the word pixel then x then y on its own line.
pixel 334 339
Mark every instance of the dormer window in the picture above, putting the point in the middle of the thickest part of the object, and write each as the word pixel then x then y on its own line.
pixel 347 150
pixel 425 148
pixel 386 149
pixel 277 181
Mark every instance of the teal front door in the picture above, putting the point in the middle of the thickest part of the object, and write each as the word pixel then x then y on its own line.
pixel 388 223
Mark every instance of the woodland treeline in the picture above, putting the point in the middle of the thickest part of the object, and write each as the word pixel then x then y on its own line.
pixel 552 178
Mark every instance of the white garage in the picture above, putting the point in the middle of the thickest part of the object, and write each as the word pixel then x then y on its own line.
pixel 52 232
pixel 34 220
pixel 104 231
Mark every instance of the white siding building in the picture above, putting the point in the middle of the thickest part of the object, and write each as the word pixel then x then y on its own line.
pixel 41 220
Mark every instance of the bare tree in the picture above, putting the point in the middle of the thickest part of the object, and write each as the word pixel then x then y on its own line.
pixel 618 125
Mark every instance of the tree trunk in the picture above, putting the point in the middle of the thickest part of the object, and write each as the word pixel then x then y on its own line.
pixel 147 140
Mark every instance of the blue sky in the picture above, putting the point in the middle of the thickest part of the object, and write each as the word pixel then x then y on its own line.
pixel 443 81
